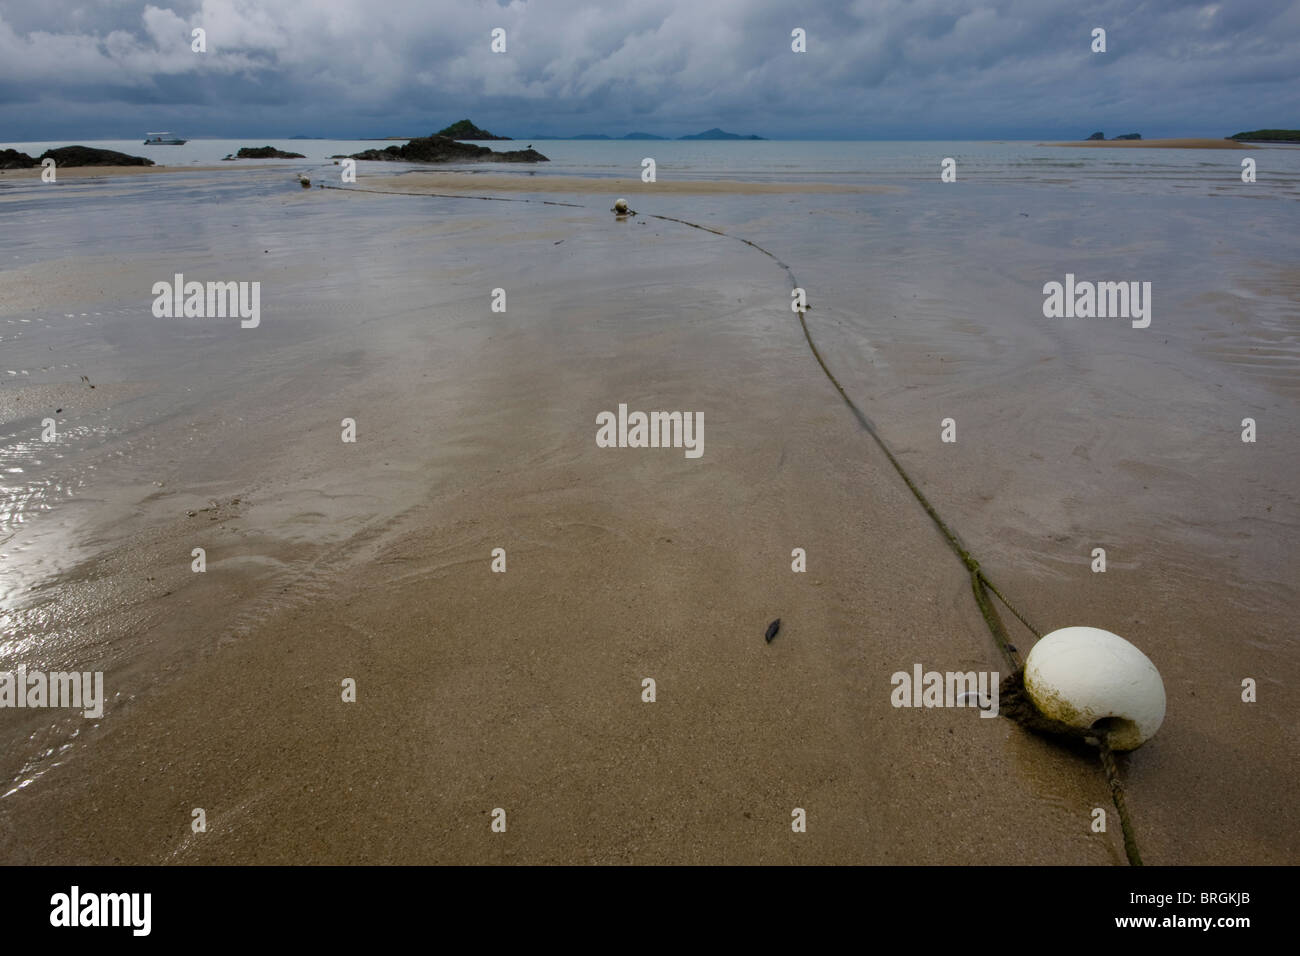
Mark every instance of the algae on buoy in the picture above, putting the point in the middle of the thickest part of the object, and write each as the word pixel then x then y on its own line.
pixel 1086 677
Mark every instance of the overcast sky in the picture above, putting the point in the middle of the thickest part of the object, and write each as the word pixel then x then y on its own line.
pixel 874 69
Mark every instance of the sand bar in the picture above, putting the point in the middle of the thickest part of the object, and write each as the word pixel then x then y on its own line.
pixel 1160 143
pixel 100 172
pixel 471 182
pixel 462 180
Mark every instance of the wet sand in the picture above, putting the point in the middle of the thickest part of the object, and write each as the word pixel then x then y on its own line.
pixel 471 180
pixel 522 690
pixel 432 182
pixel 105 172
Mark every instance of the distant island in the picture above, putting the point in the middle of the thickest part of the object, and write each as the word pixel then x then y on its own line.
pixel 1268 136
pixel 602 136
pixel 716 133
pixel 1102 136
pixel 464 129
pixel 443 149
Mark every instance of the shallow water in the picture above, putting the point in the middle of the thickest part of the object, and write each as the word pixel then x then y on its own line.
pixel 1197 172
pixel 955 268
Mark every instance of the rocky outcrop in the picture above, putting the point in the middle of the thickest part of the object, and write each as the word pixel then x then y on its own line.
pixel 265 152
pixel 443 149
pixel 12 159
pixel 464 129
pixel 66 156
pixel 1268 136
pixel 1130 136
pixel 1096 135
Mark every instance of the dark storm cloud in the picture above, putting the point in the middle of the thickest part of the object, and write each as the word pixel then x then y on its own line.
pixel 874 68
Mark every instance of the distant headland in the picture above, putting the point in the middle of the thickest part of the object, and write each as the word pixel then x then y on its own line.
pixel 1268 136
pixel 714 133
pixel 437 148
pixel 463 130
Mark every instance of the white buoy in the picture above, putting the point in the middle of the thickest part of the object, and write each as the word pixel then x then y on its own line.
pixel 1080 675
pixel 620 206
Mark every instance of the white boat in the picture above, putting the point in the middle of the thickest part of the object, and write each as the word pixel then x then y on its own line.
pixel 163 139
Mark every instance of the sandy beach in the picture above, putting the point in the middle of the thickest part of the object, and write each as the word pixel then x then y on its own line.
pixel 522 690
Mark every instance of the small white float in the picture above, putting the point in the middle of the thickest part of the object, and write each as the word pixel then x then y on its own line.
pixel 1081 675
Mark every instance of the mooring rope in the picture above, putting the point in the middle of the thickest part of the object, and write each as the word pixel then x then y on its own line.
pixel 1117 794
pixel 397 192
pixel 980 583
pixel 1024 712
pixel 979 580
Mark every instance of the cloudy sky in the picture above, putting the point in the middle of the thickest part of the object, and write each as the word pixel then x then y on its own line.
pixel 874 69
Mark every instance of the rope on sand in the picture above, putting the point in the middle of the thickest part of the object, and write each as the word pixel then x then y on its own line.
pixel 1026 714
pixel 1021 709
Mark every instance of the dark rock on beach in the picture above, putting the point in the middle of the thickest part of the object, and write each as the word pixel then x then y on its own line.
pixel 443 149
pixel 66 156
pixel 265 152
pixel 12 159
